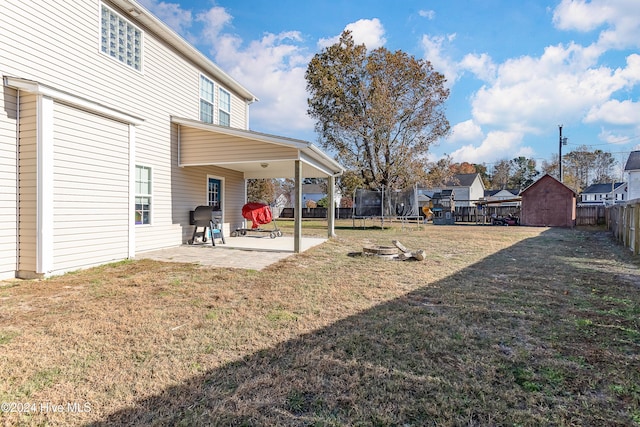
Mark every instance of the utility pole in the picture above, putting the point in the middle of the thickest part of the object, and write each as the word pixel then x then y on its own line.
pixel 563 141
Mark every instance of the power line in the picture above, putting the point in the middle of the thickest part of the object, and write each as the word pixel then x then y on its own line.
pixel 610 143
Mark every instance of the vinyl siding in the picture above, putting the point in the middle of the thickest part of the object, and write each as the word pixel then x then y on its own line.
pixel 200 146
pixel 91 189
pixel 8 183
pixel 27 226
pixel 195 194
pixel 39 34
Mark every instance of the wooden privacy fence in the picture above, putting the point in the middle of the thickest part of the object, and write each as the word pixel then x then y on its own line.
pixel 624 222
pixel 591 215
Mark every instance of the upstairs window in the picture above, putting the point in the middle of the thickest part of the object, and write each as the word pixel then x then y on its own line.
pixel 224 108
pixel 120 39
pixel 206 100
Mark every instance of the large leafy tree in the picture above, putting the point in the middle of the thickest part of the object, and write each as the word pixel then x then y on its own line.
pixel 501 174
pixel 524 173
pixel 379 111
pixel 268 190
pixel 261 190
pixel 551 167
pixel 579 165
pixel 603 170
pixel 440 172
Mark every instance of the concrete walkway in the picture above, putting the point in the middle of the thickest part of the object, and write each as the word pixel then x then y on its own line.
pixel 250 252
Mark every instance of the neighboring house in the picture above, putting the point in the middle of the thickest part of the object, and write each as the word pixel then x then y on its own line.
pixel 316 192
pixel 604 194
pixel 548 203
pixel 112 128
pixel 632 167
pixel 506 197
pixel 467 187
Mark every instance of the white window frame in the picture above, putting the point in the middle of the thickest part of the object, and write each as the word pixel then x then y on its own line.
pixel 220 106
pixel 222 189
pixel 121 61
pixel 210 101
pixel 149 196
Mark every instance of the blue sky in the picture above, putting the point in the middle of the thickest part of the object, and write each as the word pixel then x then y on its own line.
pixel 516 69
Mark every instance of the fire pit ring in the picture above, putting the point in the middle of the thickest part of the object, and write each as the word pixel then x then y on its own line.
pixel 380 251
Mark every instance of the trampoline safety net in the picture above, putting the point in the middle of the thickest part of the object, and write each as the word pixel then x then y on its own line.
pixel 369 203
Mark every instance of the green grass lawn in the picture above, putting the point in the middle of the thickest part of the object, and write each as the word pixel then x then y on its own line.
pixel 498 326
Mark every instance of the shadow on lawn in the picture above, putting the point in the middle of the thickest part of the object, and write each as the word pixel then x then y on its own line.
pixel 496 343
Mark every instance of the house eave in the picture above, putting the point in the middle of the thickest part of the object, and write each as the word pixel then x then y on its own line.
pixel 37 88
pixel 306 151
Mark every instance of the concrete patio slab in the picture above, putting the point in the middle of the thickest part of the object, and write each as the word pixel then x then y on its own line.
pixel 234 254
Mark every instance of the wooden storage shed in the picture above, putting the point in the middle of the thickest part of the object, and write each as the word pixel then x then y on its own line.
pixel 548 203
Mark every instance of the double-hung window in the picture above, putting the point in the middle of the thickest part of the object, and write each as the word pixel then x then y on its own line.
pixel 143 195
pixel 206 100
pixel 224 108
pixel 120 39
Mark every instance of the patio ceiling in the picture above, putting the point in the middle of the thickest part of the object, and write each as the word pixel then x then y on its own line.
pixel 257 155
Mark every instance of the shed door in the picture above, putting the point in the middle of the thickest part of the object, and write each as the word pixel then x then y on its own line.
pixel 91 189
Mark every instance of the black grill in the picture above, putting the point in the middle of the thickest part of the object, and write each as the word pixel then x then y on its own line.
pixel 206 217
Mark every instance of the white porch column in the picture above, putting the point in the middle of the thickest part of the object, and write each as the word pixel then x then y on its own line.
pixel 44 243
pixel 331 213
pixel 297 209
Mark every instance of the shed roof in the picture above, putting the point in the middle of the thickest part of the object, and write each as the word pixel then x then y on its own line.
pixel 546 177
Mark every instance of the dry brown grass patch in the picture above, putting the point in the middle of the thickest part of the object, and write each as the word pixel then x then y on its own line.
pixel 500 325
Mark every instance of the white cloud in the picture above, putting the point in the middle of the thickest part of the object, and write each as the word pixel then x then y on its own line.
pixel 614 138
pixel 369 32
pixel 272 67
pixel 621 19
pixel 433 47
pixel 275 65
pixel 530 93
pixel 497 144
pixel 482 66
pixel 580 15
pixel 429 14
pixel 171 14
pixel 615 112
pixel 215 19
pixel 465 131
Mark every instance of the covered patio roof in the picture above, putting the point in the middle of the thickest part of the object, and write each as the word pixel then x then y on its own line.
pixel 257 155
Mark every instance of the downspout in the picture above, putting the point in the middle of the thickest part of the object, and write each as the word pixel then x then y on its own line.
pixel 17 181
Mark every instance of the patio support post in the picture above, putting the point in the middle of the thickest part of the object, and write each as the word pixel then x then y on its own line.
pixel 297 209
pixel 331 210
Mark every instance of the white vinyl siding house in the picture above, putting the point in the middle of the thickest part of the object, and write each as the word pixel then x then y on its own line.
pixel 468 188
pixel 90 188
pixel 78 117
pixel 604 194
pixel 8 183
